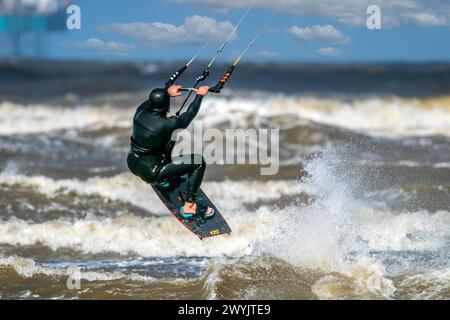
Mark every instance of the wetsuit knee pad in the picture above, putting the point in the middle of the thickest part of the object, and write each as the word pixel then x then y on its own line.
pixel 131 162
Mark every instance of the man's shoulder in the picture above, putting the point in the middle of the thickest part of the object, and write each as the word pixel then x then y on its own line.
pixel 143 105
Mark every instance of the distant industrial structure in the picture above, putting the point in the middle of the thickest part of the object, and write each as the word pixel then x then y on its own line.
pixel 26 24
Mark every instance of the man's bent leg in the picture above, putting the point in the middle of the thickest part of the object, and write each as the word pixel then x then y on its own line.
pixel 193 164
pixel 196 177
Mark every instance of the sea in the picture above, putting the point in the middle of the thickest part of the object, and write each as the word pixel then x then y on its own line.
pixel 359 209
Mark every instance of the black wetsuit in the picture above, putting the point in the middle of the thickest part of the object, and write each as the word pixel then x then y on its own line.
pixel 151 146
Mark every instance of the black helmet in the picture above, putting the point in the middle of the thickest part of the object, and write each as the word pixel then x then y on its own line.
pixel 159 100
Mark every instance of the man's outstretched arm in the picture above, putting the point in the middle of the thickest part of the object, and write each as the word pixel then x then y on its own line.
pixel 186 118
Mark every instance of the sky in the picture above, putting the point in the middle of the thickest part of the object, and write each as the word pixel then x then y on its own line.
pixel 297 30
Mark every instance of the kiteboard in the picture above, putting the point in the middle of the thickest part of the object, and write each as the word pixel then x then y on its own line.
pixel 173 192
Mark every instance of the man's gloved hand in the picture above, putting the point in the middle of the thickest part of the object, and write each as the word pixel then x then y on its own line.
pixel 203 91
pixel 174 90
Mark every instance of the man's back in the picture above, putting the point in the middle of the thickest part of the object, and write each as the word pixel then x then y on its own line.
pixel 153 130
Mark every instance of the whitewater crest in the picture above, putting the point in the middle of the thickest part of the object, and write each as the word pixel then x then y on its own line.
pixel 126 188
pixel 26 119
pixel 28 268
pixel 386 117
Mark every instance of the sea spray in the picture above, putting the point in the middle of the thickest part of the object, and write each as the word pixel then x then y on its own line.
pixel 325 235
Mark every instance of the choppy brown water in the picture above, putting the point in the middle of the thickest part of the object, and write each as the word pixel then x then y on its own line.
pixel 368 219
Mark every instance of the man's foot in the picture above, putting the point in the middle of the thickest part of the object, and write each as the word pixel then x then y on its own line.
pixel 192 208
pixel 185 214
pixel 164 185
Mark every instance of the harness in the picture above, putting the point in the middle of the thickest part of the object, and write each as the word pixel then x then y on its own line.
pixel 139 151
pixel 142 152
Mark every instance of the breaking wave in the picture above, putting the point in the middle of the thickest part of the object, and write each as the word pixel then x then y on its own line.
pixel 26 119
pixel 128 189
pixel 387 117
pixel 335 244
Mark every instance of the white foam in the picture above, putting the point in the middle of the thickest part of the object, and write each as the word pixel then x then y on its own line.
pixel 427 285
pixel 229 195
pixel 364 279
pixel 27 268
pixel 378 117
pixel 147 237
pixel 316 236
pixel 319 236
pixel 337 223
pixel 442 165
pixel 124 187
pixel 422 230
pixel 162 236
pixel 337 232
pixel 42 118
pixel 393 117
pixel 416 164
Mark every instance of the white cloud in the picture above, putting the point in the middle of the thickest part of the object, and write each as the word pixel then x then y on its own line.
pixel 102 47
pixel 348 12
pixel 329 52
pixel 195 30
pixel 426 19
pixel 327 34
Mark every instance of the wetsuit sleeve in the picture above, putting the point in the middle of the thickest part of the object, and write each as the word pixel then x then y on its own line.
pixel 186 118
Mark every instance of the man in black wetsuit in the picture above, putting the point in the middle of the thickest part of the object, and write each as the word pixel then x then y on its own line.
pixel 151 146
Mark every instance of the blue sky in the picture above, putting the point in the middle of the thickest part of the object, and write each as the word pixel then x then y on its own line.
pixel 329 30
